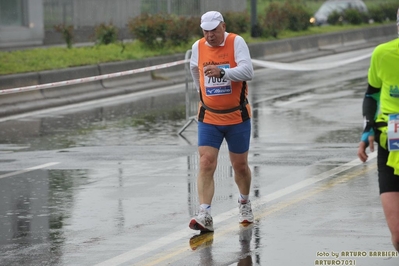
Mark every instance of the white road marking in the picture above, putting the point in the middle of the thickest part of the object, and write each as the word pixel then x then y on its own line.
pixel 298 99
pixel 28 169
pixel 309 66
pixel 184 233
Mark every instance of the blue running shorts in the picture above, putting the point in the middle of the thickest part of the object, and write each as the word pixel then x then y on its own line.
pixel 237 136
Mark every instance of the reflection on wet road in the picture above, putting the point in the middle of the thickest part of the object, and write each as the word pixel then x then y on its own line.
pixel 114 183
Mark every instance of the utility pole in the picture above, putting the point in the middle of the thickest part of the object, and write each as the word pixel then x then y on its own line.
pixel 255 29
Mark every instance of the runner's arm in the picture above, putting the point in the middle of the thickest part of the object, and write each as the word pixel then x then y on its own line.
pixel 370 106
pixel 370 103
pixel 244 70
pixel 194 65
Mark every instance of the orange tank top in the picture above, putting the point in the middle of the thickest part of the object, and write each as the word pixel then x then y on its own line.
pixel 222 102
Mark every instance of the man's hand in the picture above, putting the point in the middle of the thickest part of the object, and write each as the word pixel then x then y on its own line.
pixel 212 71
pixel 361 152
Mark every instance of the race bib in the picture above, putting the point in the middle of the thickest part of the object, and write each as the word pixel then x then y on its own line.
pixel 393 132
pixel 217 86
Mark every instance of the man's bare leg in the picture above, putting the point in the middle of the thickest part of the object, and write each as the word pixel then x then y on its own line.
pixel 390 205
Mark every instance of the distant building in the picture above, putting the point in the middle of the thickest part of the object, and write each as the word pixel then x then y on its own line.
pixel 21 22
pixel 31 22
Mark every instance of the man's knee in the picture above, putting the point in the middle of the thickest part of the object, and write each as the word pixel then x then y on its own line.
pixel 208 163
pixel 241 168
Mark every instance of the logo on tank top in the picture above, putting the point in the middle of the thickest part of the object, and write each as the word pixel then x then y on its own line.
pixel 394 91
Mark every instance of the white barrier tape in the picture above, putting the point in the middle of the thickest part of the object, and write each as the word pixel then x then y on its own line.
pixel 88 79
pixel 267 64
pixel 307 67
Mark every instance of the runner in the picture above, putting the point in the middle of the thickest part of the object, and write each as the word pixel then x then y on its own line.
pixel 381 123
pixel 221 66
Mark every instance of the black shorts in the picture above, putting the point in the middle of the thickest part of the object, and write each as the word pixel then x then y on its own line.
pixel 387 180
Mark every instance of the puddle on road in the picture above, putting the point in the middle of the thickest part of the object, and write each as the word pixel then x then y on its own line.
pixel 157 120
pixel 34 209
pixel 153 120
pixel 38 207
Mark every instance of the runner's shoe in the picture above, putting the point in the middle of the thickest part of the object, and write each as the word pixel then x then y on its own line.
pixel 245 212
pixel 202 222
pixel 203 240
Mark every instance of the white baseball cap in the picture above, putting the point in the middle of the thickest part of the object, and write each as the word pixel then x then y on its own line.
pixel 210 20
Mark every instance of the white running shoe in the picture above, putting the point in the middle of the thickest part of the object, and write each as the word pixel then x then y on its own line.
pixel 202 222
pixel 245 212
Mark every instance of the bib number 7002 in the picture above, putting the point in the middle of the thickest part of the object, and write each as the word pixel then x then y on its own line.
pixel 216 80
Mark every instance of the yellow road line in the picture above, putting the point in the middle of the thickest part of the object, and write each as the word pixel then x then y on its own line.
pixel 177 252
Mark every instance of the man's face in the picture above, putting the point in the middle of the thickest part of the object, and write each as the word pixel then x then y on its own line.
pixel 216 36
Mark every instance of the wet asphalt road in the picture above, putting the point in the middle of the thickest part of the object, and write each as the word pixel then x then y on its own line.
pixel 112 183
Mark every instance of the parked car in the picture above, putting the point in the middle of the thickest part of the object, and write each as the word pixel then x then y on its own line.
pixel 329 6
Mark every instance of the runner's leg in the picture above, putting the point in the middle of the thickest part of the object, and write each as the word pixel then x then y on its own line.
pixel 390 204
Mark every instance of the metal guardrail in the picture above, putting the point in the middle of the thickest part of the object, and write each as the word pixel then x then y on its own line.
pixel 191 95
